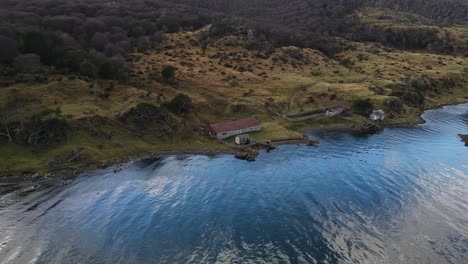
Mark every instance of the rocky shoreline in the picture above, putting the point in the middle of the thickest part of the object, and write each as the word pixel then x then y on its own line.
pixel 249 154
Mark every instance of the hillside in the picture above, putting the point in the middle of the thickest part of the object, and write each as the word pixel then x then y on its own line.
pixel 101 89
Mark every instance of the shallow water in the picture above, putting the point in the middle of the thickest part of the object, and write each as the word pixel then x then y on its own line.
pixel 397 197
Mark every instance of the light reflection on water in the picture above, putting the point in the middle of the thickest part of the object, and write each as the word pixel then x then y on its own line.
pixel 397 197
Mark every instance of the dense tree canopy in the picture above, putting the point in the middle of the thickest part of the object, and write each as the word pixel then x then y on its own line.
pixel 8 49
pixel 64 34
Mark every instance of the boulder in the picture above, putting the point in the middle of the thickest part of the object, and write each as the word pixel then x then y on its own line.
pixel 369 129
pixel 248 155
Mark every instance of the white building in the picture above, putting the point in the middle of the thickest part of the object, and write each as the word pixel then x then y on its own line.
pixel 377 115
pixel 334 111
pixel 243 139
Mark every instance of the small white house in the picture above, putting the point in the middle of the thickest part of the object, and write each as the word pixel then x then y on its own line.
pixel 244 139
pixel 377 115
pixel 334 111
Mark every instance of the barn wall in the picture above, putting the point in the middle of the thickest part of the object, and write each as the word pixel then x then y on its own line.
pixel 238 132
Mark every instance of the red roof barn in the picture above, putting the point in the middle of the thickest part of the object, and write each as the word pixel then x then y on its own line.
pixel 237 127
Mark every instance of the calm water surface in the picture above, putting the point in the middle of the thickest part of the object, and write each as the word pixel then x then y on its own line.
pixel 397 197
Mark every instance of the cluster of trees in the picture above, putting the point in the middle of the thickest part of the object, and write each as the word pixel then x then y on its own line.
pixel 446 11
pixel 91 38
pixel 147 115
pixel 317 23
pixel 400 37
pixel 42 128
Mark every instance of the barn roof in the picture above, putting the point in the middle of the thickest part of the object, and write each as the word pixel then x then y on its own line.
pixel 234 125
pixel 337 109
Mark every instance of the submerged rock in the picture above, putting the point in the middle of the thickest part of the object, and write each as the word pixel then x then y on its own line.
pixel 248 155
pixel 464 138
pixel 313 143
pixel 117 169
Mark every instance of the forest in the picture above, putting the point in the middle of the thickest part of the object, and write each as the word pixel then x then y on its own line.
pixel 93 38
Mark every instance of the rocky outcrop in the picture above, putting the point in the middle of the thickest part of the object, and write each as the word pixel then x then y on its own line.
pixel 464 138
pixel 248 155
pixel 369 128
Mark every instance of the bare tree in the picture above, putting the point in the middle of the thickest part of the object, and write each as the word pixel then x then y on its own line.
pixel 5 127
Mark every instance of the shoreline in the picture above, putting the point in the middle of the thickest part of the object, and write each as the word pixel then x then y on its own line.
pixel 67 174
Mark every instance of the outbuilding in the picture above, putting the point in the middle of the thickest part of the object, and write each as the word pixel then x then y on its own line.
pixel 334 111
pixel 377 115
pixel 243 139
pixel 233 128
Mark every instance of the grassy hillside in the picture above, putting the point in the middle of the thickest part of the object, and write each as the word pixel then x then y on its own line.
pixel 225 80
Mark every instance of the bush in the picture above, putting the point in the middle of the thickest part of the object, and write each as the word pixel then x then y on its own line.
pixel 394 105
pixel 180 104
pixel 413 98
pixel 421 84
pixel 146 115
pixel 168 73
pixel 363 106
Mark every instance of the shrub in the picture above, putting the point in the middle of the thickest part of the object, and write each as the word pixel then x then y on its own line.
pixel 363 106
pixel 180 104
pixel 394 105
pixel 168 72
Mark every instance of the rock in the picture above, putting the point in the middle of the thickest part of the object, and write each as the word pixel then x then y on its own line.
pixel 117 169
pixel 270 147
pixel 248 155
pixel 313 143
pixel 464 138
pixel 369 129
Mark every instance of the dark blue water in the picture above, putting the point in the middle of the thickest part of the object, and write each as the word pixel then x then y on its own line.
pixel 397 197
